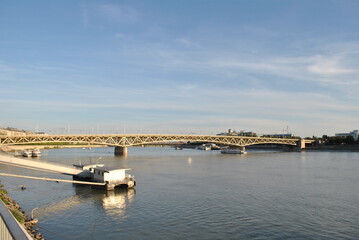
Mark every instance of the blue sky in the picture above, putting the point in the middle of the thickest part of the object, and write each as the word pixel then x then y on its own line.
pixel 180 66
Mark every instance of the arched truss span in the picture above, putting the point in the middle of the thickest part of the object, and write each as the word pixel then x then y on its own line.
pixel 127 140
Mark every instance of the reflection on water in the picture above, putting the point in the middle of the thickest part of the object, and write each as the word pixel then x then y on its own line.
pixel 116 202
pixel 113 202
pixel 65 204
pixel 189 160
pixel 303 157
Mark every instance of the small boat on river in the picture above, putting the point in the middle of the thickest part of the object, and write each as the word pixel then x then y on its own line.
pixel 204 147
pixel 36 153
pixel 233 151
pixel 26 153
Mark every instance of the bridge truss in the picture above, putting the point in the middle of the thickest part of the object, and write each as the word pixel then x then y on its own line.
pixel 127 140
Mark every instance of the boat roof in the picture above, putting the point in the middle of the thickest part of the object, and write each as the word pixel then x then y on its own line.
pixel 87 165
pixel 109 169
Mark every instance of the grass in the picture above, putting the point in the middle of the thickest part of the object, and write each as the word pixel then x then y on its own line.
pixel 3 196
pixel 19 216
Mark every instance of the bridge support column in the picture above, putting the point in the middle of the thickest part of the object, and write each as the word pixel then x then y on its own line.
pixel 122 151
pixel 301 144
pixel 242 148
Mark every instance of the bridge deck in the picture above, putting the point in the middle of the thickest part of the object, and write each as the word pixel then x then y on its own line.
pixel 126 140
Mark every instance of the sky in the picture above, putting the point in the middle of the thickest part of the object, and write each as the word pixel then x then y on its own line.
pixel 180 67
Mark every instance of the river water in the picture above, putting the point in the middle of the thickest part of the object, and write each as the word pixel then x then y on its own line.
pixel 193 194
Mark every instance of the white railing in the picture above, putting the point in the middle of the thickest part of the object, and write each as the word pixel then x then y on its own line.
pixel 10 229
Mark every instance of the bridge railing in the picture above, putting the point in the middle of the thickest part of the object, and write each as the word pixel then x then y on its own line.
pixel 126 140
pixel 10 229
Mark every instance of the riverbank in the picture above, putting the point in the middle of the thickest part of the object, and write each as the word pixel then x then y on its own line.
pixel 27 223
pixel 338 148
pixel 15 148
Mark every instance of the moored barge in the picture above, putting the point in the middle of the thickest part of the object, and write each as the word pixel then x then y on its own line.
pixel 111 177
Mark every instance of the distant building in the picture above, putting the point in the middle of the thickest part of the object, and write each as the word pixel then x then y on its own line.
pixel 279 135
pixel 282 135
pixel 231 132
pixel 43 133
pixel 11 133
pixel 353 134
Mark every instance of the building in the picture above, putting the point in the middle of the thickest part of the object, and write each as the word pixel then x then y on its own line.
pixel 353 134
pixel 109 175
pixel 231 132
pixel 282 135
pixel 11 133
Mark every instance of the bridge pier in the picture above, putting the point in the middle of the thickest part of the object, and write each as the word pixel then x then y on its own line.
pixel 301 144
pixel 121 151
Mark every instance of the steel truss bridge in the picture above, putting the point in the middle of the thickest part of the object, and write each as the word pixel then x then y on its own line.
pixel 127 140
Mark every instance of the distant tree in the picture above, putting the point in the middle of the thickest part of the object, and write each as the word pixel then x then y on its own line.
pixel 349 140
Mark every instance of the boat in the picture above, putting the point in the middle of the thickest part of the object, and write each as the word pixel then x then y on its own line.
pixel 215 147
pixel 36 153
pixel 18 154
pixel 204 147
pixel 26 153
pixel 233 151
pixel 111 177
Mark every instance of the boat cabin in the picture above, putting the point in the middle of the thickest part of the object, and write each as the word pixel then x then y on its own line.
pixel 101 174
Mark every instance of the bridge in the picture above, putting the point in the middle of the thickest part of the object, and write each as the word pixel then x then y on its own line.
pixel 122 141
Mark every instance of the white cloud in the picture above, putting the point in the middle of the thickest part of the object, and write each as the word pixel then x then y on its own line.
pixel 328 66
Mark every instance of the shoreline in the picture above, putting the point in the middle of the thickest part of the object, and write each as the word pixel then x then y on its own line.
pixel 14 148
pixel 334 148
pixel 15 209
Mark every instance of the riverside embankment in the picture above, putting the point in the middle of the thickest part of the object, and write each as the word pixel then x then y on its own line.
pixel 339 148
pixel 27 223
pixel 15 148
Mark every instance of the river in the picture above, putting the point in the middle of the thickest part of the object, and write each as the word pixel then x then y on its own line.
pixel 193 194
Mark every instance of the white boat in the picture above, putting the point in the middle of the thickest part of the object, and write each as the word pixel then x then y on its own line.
pixel 204 147
pixel 26 153
pixel 233 151
pixel 36 153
